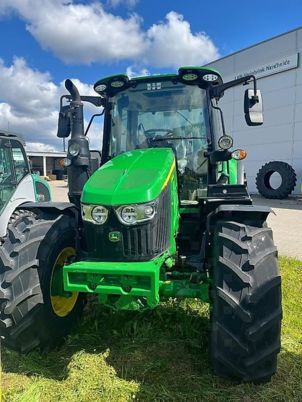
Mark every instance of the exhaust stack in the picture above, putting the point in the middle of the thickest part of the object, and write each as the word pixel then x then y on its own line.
pixel 78 147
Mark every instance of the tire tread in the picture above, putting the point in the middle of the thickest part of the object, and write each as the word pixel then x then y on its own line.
pixel 246 295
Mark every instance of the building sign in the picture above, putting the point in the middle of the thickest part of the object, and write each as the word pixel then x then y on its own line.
pixel 277 66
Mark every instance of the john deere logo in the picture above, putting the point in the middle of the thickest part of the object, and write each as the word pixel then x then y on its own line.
pixel 114 236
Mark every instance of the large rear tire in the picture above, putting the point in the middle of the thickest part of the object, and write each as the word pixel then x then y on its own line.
pixel 31 255
pixel 246 302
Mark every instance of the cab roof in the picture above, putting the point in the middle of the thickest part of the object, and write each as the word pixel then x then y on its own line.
pixel 198 70
pixel 6 134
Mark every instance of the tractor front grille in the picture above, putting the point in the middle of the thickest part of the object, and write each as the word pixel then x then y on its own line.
pixel 140 242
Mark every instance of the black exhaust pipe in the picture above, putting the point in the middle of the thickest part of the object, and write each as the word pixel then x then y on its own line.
pixel 73 90
pixel 78 147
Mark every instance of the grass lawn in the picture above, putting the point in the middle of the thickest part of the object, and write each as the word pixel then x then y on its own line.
pixel 156 356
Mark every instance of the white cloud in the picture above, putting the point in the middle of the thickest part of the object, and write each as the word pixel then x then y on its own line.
pixel 86 33
pixel 171 43
pixel 79 33
pixel 26 90
pixel 39 147
pixel 132 71
pixel 30 103
pixel 128 3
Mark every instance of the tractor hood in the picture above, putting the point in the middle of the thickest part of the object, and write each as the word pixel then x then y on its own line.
pixel 132 177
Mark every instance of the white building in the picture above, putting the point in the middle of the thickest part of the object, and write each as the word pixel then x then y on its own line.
pixel 275 62
pixel 47 163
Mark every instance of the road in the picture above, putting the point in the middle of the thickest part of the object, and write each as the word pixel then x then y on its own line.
pixel 286 219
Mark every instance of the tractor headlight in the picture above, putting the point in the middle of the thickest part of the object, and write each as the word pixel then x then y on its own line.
pixel 74 149
pixel 225 142
pixel 100 88
pixel 117 84
pixel 97 214
pixel 136 213
pixel 190 77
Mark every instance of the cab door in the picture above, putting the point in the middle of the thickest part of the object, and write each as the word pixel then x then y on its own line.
pixel 8 180
pixel 16 182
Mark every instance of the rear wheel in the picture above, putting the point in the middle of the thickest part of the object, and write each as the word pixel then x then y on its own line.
pixel 34 310
pixel 246 301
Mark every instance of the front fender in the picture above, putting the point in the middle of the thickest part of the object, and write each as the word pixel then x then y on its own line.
pixel 53 207
pixel 24 192
pixel 240 213
pixel 230 211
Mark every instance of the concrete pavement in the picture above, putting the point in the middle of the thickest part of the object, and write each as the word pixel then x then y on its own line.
pixel 286 222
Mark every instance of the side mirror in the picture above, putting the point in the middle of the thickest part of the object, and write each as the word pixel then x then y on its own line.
pixel 253 107
pixel 64 123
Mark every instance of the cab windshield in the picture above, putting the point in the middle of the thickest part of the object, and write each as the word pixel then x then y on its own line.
pixel 164 114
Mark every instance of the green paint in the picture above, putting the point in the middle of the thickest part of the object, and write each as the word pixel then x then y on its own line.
pixel 233 166
pixel 150 78
pixel 129 281
pixel 155 77
pixel 131 177
pixel 230 169
pixel 114 236
pixel 106 80
pixel 57 285
pixel 37 179
pixel 185 289
pixel 130 285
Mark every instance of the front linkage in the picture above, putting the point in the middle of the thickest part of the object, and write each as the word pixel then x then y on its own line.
pixel 136 285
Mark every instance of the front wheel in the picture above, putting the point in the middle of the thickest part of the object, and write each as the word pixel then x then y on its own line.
pixel 246 301
pixel 34 309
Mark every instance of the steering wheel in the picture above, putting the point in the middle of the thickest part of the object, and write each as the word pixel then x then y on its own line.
pixel 160 130
pixel 152 138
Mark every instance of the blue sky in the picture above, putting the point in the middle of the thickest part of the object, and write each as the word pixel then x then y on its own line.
pixel 45 41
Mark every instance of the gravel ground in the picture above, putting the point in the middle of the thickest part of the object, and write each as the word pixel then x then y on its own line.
pixel 286 219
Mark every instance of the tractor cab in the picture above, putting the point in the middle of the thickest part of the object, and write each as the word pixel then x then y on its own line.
pixel 163 113
pixel 17 184
pixel 14 166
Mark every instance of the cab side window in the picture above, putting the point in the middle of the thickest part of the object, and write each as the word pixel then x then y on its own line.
pixel 6 171
pixel 19 160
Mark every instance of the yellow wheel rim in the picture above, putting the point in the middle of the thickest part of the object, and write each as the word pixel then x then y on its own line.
pixel 61 305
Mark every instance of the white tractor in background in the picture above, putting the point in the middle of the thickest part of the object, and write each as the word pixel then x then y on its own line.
pixel 17 184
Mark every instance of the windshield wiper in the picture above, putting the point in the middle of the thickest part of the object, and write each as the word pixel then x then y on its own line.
pixel 177 138
pixel 184 117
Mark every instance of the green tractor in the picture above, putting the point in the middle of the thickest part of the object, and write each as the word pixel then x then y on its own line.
pixel 166 214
